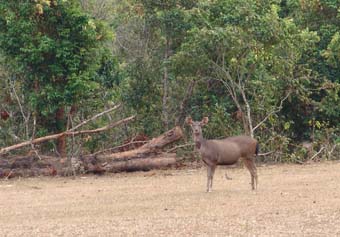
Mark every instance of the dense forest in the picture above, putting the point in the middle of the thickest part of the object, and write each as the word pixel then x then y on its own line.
pixel 266 68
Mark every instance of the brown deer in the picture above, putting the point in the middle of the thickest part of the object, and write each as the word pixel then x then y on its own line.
pixel 224 151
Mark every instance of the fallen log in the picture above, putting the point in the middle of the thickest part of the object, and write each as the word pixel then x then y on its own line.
pixel 158 161
pixel 27 166
pixel 147 157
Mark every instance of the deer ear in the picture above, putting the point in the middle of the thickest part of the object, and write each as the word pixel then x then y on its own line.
pixel 205 120
pixel 188 120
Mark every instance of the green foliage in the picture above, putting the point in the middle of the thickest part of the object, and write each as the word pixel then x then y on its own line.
pixel 262 46
pixel 248 43
pixel 318 98
pixel 53 49
pixel 274 64
pixel 332 53
pixel 150 37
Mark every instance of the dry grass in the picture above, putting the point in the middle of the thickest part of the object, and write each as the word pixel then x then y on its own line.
pixel 292 200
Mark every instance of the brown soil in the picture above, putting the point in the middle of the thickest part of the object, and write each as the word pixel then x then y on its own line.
pixel 292 200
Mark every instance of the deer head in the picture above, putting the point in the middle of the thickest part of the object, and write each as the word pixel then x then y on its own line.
pixel 196 126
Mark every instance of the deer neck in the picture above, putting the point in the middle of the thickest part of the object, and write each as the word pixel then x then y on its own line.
pixel 199 141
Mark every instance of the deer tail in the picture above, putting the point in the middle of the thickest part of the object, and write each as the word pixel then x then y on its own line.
pixel 257 148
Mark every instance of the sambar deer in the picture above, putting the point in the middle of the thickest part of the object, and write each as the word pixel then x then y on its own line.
pixel 224 151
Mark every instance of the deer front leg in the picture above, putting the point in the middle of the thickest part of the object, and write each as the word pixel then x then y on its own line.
pixel 210 177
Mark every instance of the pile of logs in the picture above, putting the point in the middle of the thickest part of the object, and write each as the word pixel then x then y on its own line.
pixel 146 157
pixel 135 154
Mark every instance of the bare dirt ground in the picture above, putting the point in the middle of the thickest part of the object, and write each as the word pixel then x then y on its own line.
pixel 292 200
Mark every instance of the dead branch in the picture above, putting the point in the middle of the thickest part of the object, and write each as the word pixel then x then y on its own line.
pixel 180 146
pixel 66 133
pixel 265 154
pixel 332 149
pixel 8 175
pixel 24 116
pixel 94 117
pixel 316 154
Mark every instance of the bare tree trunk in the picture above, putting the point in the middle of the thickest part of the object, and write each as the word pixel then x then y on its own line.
pixel 60 125
pixel 249 124
pixel 182 107
pixel 234 89
pixel 165 86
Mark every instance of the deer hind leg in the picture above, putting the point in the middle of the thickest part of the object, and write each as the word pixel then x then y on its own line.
pixel 250 164
pixel 254 172
pixel 208 178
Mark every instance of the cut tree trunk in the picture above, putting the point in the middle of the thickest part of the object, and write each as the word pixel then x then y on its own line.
pixel 159 161
pixel 153 146
pixel 155 161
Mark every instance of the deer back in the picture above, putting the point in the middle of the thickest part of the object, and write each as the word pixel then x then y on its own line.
pixel 220 152
pixel 247 145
